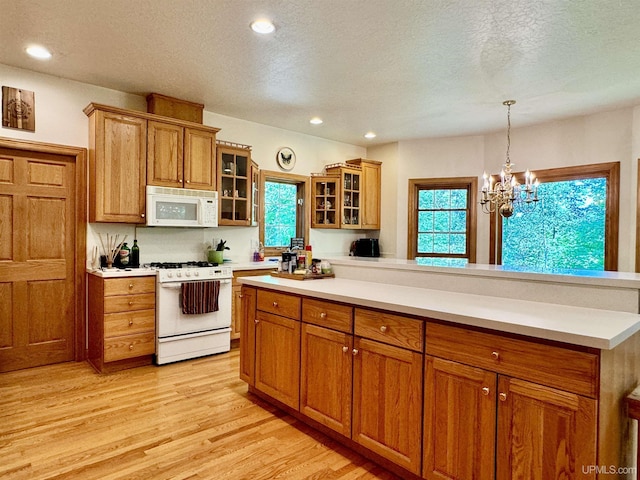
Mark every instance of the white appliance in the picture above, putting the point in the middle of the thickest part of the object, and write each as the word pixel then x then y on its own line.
pixel 180 336
pixel 181 207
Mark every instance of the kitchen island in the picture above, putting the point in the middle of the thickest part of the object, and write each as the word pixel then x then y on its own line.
pixel 441 384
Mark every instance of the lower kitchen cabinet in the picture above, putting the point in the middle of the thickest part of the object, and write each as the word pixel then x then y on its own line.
pixel 236 299
pixel 387 402
pixel 326 366
pixel 121 322
pixel 248 340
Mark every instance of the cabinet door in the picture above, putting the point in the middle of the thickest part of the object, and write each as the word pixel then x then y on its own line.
pixel 387 402
pixel 325 377
pixel 248 338
pixel 325 198
pixel 236 311
pixel 351 197
pixel 164 154
pixel 199 159
pixel 277 370
pixel 459 421
pixel 117 168
pixel 370 198
pixel 544 432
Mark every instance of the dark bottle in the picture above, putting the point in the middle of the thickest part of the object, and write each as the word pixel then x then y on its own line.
pixel 135 255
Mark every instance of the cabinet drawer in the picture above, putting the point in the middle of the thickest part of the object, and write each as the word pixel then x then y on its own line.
pixel 116 324
pixel 325 314
pixel 279 303
pixel 389 328
pixel 129 346
pixel 559 367
pixel 125 286
pixel 128 303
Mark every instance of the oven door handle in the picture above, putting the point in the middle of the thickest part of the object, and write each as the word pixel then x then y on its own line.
pixel 178 285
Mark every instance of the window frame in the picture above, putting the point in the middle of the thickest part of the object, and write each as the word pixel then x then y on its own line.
pixel 610 171
pixel 452 183
pixel 303 213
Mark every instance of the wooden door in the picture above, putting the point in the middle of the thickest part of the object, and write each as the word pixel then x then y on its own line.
pixel 37 259
pixel 370 197
pixel 459 421
pixel 325 377
pixel 164 154
pixel 277 364
pixel 544 432
pixel 199 159
pixel 387 402
pixel 117 168
pixel 248 338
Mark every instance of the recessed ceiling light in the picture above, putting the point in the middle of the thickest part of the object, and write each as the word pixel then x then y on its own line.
pixel 315 121
pixel 369 135
pixel 263 26
pixel 41 53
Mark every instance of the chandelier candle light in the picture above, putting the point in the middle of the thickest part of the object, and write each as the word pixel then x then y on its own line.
pixel 503 196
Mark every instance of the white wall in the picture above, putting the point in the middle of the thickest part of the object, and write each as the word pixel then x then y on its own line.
pixel 598 138
pixel 60 120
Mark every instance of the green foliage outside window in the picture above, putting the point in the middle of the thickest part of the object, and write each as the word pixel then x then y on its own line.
pixel 565 231
pixel 280 202
pixel 442 222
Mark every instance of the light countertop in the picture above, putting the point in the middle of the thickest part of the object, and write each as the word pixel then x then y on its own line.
pixel 602 329
pixel 126 272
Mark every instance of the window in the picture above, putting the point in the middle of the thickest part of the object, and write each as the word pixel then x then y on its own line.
pixel 442 221
pixel 285 210
pixel 574 226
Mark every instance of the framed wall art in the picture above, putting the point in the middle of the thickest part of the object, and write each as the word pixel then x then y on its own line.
pixel 18 109
pixel 286 158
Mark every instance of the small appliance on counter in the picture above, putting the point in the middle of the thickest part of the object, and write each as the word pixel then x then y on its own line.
pixel 365 247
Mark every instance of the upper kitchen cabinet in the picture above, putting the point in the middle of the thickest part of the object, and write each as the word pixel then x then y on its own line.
pixel 181 157
pixel 255 194
pixel 325 211
pixel 360 183
pixel 117 166
pixel 235 183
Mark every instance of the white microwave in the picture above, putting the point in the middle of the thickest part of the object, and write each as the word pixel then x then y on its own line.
pixel 181 207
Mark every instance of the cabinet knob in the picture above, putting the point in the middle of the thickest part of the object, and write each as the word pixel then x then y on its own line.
pixel 323 315
pixel 275 304
pixel 130 303
pixel 354 351
pixel 130 323
pixel 495 355
pixel 502 396
pixel 188 181
pixel 485 391
pixel 383 328
pixel 142 215
pixel 241 296
pixel 256 321
pixel 345 349
pixel 131 285
pixel 131 347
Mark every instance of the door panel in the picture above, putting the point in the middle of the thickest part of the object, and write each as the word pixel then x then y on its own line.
pixel 37 248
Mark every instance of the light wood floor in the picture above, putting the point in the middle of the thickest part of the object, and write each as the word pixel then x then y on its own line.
pixel 189 420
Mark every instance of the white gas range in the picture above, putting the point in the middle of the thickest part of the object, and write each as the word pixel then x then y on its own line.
pixel 193 310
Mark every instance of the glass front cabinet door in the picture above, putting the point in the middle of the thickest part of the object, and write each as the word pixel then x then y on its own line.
pixel 234 184
pixel 325 193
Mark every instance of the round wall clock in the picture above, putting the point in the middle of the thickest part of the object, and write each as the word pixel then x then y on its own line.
pixel 286 158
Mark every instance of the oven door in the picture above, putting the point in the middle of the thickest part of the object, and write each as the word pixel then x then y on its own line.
pixel 171 320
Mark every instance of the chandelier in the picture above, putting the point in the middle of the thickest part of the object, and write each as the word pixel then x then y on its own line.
pixel 503 196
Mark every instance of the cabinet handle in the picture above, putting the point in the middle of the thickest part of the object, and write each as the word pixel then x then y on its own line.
pixel 354 351
pixel 383 328
pixel 323 315
pixel 345 349
pixel 241 296
pixel 142 215
pixel 131 285
pixel 179 179
pixel 495 355
pixel 485 391
pixel 130 303
pixel 130 322
pixel 256 321
pixel 502 396
pixel 131 347
pixel 188 181
pixel 275 304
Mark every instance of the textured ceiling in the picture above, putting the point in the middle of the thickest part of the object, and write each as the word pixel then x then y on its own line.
pixel 403 69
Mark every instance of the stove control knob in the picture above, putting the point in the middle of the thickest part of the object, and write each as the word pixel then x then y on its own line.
pixel 187 273
pixel 178 274
pixel 196 273
pixel 169 274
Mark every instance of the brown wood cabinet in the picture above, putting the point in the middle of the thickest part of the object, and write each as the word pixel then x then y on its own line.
pixel 117 166
pixel 235 184
pixel 121 322
pixel 371 184
pixel 489 426
pixel 248 339
pixel 180 157
pixel 236 299
pixel 325 198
